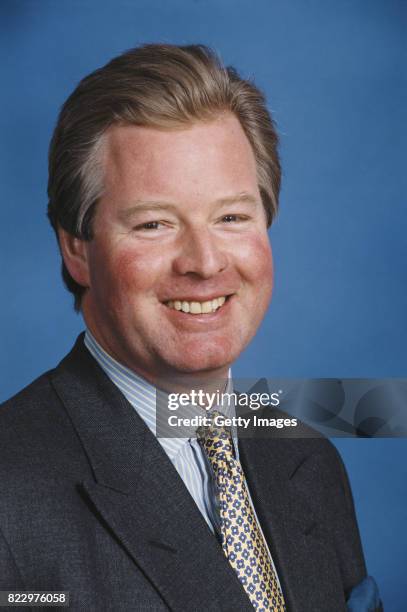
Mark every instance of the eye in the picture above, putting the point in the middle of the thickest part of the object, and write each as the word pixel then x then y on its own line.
pixel 233 218
pixel 150 225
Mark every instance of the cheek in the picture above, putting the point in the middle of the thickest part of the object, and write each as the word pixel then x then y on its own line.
pixel 257 262
pixel 133 270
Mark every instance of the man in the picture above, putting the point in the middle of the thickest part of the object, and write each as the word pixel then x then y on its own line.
pixel 164 177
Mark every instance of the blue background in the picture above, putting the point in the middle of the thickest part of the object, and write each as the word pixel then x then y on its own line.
pixel 335 76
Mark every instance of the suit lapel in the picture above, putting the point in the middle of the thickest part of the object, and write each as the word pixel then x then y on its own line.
pixel 139 495
pixel 306 564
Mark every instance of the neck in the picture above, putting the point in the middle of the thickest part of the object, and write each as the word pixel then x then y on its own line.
pixel 167 379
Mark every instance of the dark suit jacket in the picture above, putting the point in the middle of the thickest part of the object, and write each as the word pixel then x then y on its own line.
pixel 90 503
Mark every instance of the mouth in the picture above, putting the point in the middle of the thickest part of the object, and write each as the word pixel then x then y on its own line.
pixel 198 308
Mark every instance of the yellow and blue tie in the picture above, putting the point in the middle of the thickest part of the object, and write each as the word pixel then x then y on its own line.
pixel 242 540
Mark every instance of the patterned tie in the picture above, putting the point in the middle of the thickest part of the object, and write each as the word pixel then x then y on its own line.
pixel 242 540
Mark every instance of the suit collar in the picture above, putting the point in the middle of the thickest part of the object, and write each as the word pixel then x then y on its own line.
pixel 279 472
pixel 137 493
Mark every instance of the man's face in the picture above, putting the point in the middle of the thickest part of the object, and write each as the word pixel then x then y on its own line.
pixel 180 224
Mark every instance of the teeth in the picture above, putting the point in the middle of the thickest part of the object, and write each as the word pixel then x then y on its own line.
pixel 206 307
pixel 197 307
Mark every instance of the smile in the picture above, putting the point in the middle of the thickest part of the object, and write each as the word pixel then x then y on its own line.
pixel 197 307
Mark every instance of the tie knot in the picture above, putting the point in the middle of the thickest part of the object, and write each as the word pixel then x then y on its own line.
pixel 216 439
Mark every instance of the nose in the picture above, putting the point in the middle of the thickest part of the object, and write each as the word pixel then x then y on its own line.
pixel 200 254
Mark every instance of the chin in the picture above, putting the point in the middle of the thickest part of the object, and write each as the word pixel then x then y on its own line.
pixel 205 359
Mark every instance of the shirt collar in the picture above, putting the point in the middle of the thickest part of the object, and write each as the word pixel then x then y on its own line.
pixel 142 395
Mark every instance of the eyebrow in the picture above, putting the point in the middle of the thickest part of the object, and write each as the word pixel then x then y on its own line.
pixel 142 206
pixel 151 205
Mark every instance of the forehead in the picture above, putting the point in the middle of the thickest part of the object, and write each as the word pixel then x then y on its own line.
pixel 202 158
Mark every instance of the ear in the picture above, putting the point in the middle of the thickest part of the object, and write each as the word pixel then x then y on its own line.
pixel 74 252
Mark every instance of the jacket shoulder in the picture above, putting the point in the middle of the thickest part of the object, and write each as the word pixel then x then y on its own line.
pixel 36 435
pixel 22 406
